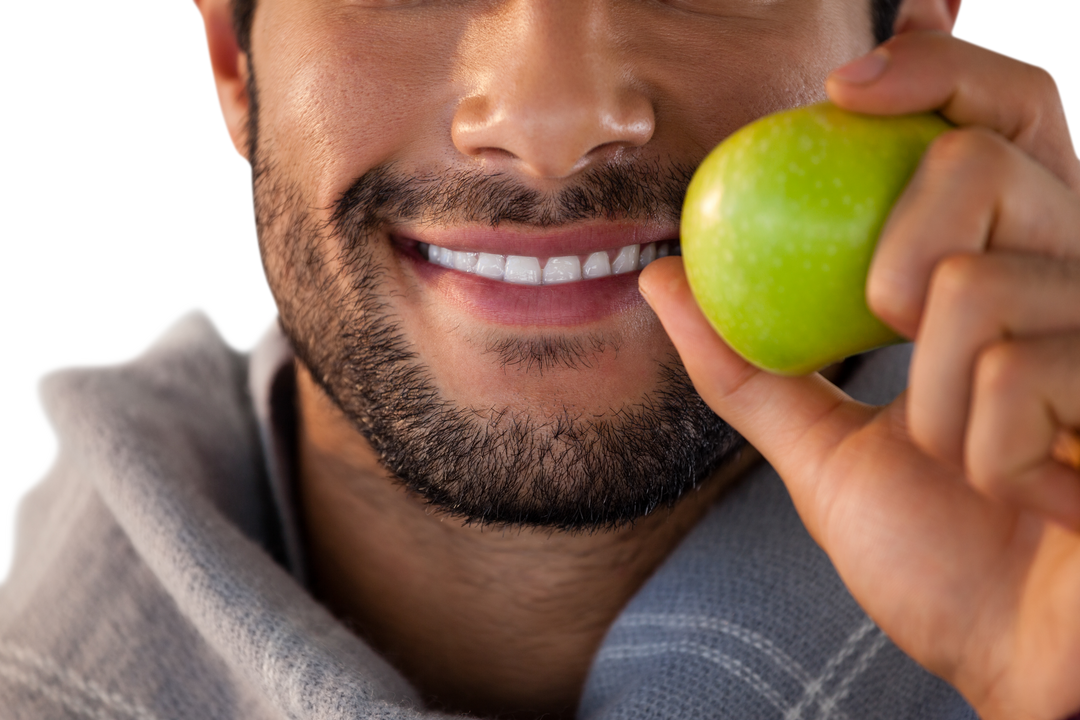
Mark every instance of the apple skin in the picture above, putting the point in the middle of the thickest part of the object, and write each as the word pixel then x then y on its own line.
pixel 780 224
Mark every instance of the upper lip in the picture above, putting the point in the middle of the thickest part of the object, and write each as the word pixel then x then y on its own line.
pixel 580 239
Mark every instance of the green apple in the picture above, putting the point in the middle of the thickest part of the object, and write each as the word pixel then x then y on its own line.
pixel 780 224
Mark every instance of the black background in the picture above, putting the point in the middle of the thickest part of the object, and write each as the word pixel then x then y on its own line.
pixel 135 203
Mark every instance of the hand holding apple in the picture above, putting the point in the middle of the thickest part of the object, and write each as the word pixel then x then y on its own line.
pixel 947 513
pixel 780 224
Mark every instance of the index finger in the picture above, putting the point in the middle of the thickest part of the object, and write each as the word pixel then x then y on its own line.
pixel 969 85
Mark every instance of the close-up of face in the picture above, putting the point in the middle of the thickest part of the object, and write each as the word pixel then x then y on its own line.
pixel 453 203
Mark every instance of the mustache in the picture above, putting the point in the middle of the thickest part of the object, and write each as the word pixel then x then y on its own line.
pixel 628 190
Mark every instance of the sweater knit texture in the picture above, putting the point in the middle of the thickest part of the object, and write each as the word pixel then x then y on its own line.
pixel 158 575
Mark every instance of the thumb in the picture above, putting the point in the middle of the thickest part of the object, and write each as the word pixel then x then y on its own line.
pixel 795 422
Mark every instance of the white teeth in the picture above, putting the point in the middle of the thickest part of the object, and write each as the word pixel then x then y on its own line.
pixel 465 261
pixel 525 270
pixel 443 257
pixel 648 254
pixel 491 266
pixel 626 261
pixel 596 266
pixel 562 269
pixel 522 270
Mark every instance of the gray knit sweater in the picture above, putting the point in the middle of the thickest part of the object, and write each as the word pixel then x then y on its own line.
pixel 158 575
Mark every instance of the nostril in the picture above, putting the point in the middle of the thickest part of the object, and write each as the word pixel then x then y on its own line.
pixel 552 133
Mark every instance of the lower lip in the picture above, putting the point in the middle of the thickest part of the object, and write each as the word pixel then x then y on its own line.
pixel 504 303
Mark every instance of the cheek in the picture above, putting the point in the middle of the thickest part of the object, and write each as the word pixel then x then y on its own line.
pixel 342 98
pixel 743 71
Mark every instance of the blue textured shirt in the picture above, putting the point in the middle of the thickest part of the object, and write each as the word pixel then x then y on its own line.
pixel 158 575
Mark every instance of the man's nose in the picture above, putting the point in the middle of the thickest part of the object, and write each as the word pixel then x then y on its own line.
pixel 548 92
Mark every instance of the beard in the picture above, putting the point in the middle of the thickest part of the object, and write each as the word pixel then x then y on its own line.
pixel 503 466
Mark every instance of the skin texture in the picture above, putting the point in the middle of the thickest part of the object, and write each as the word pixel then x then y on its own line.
pixel 980 591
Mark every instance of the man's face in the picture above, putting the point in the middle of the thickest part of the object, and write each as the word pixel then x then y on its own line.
pixel 512 132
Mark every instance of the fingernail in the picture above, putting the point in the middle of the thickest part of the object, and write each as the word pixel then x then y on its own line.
pixel 864 70
pixel 644 293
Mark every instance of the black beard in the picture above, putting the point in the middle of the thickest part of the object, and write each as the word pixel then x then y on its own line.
pixel 498 466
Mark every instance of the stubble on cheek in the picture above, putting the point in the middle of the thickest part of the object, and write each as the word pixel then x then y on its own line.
pixel 304 265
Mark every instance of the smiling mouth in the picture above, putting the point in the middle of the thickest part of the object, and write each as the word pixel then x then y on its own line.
pixel 529 270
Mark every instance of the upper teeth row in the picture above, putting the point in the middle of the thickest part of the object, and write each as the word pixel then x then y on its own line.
pixel 525 270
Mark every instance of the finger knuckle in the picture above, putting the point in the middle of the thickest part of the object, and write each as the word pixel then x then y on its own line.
pixel 958 285
pixel 967 150
pixel 887 297
pixel 1041 81
pixel 1002 368
pixel 1044 119
pixel 946 150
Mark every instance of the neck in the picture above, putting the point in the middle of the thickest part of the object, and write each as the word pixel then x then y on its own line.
pixel 481 620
